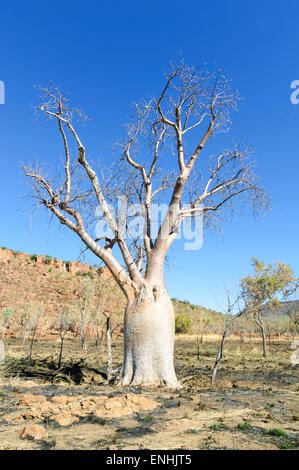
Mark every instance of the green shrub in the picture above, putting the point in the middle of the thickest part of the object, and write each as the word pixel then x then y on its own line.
pixel 147 419
pixel 209 352
pixel 48 259
pixel 269 406
pixel 244 426
pixel 88 274
pixel 182 324
pixel 215 427
pixel 278 432
pixel 286 445
pixel 33 257
pixel 3 248
pixel 7 312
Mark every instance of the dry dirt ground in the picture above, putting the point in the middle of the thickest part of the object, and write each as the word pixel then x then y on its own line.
pixel 254 404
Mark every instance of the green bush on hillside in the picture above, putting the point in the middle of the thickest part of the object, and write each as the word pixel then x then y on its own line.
pixel 183 324
pixel 48 259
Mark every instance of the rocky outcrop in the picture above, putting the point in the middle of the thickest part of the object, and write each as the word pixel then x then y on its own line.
pixel 35 283
pixel 73 267
pixel 5 255
pixel 105 272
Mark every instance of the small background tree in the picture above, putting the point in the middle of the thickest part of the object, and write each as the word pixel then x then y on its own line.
pixel 6 315
pixel 86 291
pixel 265 289
pixel 232 313
pixel 63 325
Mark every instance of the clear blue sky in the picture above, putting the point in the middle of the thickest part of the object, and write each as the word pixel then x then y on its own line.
pixel 109 54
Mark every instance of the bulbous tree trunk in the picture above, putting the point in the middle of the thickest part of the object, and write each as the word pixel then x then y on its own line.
pixel 149 329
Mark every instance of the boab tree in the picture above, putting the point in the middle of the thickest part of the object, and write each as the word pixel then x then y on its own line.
pixel 192 105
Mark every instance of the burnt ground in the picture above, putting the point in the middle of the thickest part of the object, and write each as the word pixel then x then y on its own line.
pixel 254 404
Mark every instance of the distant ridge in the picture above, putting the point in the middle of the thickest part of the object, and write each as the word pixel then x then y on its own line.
pixel 287 307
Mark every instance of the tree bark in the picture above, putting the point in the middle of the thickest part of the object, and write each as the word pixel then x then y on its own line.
pixel 109 351
pixel 31 343
pixel 149 329
pixel 97 332
pixel 220 353
pixel 259 322
pixel 264 342
pixel 60 353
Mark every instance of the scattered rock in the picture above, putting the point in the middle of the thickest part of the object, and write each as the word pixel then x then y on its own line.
pixel 63 400
pixel 78 410
pixel 116 402
pixel 46 407
pixel 29 399
pixel 142 402
pixel 66 410
pixel 25 416
pixel 33 431
pixel 124 405
pixel 65 419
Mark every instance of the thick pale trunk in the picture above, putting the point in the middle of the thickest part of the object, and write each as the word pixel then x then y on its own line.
pixel 149 339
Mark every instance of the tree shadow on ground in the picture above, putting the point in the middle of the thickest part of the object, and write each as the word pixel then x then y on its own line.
pixel 74 372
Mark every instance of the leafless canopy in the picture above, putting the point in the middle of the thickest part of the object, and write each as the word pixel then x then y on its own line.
pixel 157 161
